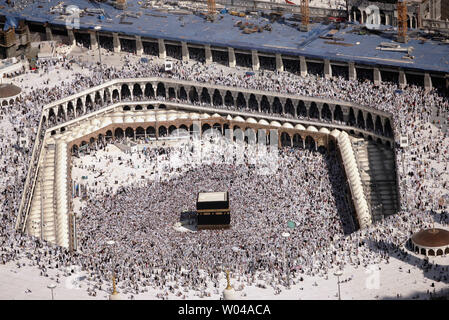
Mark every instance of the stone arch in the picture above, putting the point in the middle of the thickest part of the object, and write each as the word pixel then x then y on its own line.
pixel 277 106
pixel 285 140
pixel 98 100
pixel 171 129
pixel 137 90
pixel 265 105
pixel 205 96
pixel 126 108
pixel 297 141
pixel 149 91
pixel 115 95
pixel 138 108
pixel 109 135
pixel 129 132
pixel 193 95
pixel 439 252
pixel 182 94
pixel 310 143
pixel 171 93
pixel 61 113
pixel 162 106
pixel 151 131
pixel 388 130
pixel 289 108
pixel 160 91
pixel 217 100
pixel 431 252
pixel 118 133
pixel 351 119
pixel 301 109
pixel 378 126
pixel 313 111
pixel 162 131
pixel 107 96
pixel 70 110
pixel 360 119
pixel 126 93
pixel 89 104
pixel 140 133
pixel 250 136
pixel 241 101
pixel 326 112
pixel 150 107
pixel 229 99
pixel 205 127
pixel 338 114
pixel 252 103
pixel 369 122
pixel 184 127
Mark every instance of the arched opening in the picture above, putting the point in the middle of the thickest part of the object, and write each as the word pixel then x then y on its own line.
pixel 313 111
pixel 439 252
pixel 217 127
pixel 118 133
pixel 97 98
pixel 140 133
pixel 277 106
pixel 129 133
pixel 171 93
pixel 252 103
pixel 171 129
pixel 310 143
pixel 137 91
pixel 149 91
pixel 351 120
pixel 388 131
pixel 79 107
pixel 285 140
pixel 205 97
pixel 115 95
pixel 138 108
pixel 162 106
pixel 289 108
pixel 241 101
pixel 360 120
pixel 89 104
pixel 431 252
pixel 378 127
pixel 151 132
pixel 70 111
pixel 229 99
pixel 369 122
pixel 75 149
pixel 108 135
pixel 126 108
pixel 107 96
pixel 182 94
pixel 205 127
pixel 183 127
pixel 150 107
pixel 326 112
pixel 217 99
pixel 160 91
pixel 322 149
pixel 61 114
pixel 265 105
pixel 126 94
pixel 193 95
pixel 297 141
pixel 446 251
pixel 338 113
pixel 162 131
pixel 301 109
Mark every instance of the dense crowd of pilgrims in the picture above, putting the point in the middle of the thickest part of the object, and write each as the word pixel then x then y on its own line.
pixel 170 263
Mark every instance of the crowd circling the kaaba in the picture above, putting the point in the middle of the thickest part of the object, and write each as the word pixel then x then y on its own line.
pixel 258 228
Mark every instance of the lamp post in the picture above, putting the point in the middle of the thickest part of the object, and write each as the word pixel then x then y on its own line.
pixel 98 28
pixel 51 286
pixel 338 273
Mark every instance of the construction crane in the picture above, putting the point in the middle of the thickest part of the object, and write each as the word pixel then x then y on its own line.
pixel 402 21
pixel 211 7
pixel 305 16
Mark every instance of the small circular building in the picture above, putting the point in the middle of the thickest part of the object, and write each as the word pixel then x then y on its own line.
pixel 431 242
pixel 8 93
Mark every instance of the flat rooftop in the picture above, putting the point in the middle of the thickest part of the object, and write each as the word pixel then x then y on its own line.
pixel 284 37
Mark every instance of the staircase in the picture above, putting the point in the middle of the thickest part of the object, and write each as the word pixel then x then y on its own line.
pixel 377 171
pixel 41 221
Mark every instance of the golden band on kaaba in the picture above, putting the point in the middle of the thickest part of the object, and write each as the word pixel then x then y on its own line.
pixel 213 210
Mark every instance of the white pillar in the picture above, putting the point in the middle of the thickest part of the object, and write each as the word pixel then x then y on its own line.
pixel 255 59
pixel 279 63
pixel 231 57
pixel 162 52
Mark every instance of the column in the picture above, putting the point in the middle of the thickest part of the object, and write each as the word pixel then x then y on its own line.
pixel 93 40
pixel 327 69
pixel 255 58
pixel 139 46
pixel 208 54
pixel 71 35
pixel 49 35
pixel 352 71
pixel 402 79
pixel 162 52
pixel 427 82
pixel 185 51
pixel 116 42
pixel 231 56
pixel 303 66
pixel 279 63
pixel 377 76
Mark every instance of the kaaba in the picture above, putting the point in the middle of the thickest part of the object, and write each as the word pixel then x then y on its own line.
pixel 213 210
